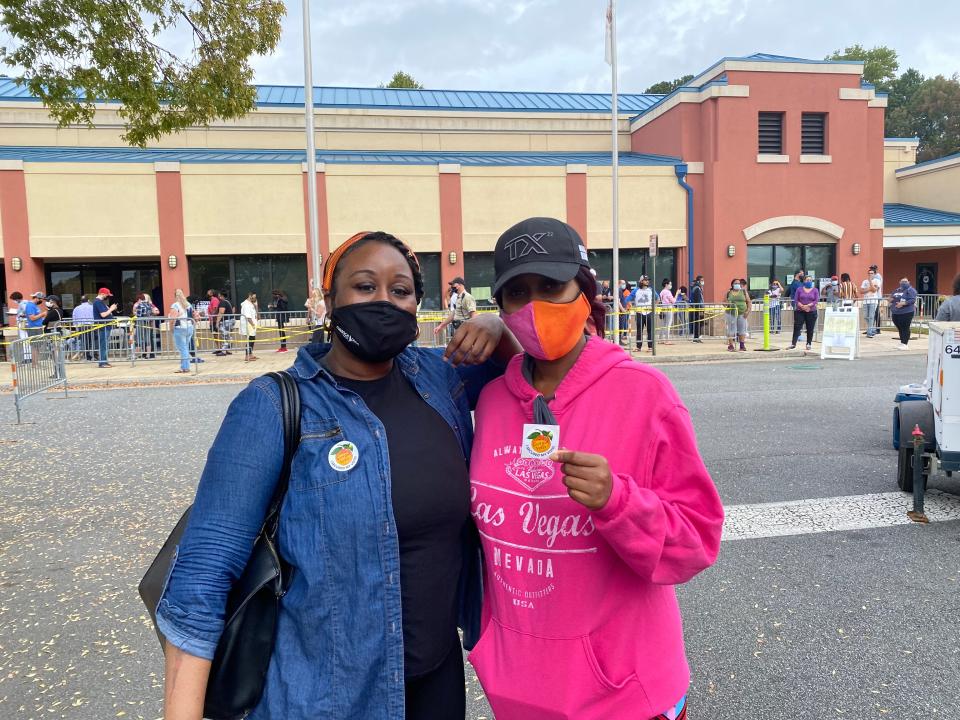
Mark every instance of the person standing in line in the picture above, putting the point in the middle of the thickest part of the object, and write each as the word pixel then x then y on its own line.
pixel 668 302
pixel 696 309
pixel 582 622
pixel 643 304
pixel 82 319
pixel 144 310
pixel 776 311
pixel 317 312
pixel 737 311
pixel 103 315
pixel 683 305
pixel 249 318
pixel 280 305
pixel 225 322
pixel 51 324
pixel 870 291
pixel 463 307
pixel 903 305
pixel 848 292
pixel 831 292
pixel 879 278
pixel 183 316
pixel 805 314
pixel 795 285
pixel 213 315
pixel 950 310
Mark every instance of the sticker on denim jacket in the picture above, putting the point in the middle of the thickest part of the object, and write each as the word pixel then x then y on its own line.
pixel 343 456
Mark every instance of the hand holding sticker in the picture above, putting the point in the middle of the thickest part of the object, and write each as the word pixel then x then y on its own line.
pixel 587 477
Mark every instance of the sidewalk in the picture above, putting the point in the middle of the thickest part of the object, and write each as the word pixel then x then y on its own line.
pixel 234 369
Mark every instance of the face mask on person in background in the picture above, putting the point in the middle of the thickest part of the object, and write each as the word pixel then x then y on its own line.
pixel 904 285
pixel 736 286
pixel 48 304
pixel 547 331
pixel 834 283
pixel 374 331
pixel 808 284
pixel 669 286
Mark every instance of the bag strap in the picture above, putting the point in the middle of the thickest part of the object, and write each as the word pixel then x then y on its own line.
pixel 290 412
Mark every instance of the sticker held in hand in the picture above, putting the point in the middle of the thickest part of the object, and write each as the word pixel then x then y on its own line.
pixel 540 441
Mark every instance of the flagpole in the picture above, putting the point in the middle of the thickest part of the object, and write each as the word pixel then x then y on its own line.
pixel 314 224
pixel 615 165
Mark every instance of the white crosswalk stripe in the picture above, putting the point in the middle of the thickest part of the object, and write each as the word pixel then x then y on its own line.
pixel 817 515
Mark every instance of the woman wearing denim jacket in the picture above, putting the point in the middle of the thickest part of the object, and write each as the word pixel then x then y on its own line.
pixel 375 523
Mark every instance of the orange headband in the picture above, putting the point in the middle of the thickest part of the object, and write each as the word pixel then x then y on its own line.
pixel 335 256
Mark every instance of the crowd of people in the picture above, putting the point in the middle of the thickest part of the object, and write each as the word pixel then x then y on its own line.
pixel 683 314
pixel 88 334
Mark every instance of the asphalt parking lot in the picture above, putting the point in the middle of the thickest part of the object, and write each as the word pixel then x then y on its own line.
pixel 828 623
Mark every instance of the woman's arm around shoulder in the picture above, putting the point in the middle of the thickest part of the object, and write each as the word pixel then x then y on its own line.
pixel 664 517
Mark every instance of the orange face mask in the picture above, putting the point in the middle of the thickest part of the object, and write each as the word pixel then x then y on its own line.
pixel 546 330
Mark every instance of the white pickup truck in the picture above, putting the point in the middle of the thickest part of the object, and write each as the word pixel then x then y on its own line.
pixel 934 407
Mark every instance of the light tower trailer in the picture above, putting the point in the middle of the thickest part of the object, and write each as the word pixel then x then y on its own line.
pixel 934 408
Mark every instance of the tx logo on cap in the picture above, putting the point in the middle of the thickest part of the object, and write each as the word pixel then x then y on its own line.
pixel 525 244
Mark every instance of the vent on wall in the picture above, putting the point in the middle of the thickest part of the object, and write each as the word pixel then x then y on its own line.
pixel 813 134
pixel 770 131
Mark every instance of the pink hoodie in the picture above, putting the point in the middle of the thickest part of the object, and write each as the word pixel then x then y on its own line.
pixel 580 618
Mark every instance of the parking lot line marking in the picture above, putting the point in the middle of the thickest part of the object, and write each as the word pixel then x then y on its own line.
pixel 834 514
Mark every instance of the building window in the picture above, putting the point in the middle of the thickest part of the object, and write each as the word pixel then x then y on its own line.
pixel 242 274
pixel 430 269
pixel 765 262
pixel 770 132
pixel 479 274
pixel 813 134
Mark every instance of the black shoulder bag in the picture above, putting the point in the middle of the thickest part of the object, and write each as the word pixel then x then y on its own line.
pixel 243 654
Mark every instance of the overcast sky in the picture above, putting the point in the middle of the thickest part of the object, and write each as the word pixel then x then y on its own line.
pixel 558 44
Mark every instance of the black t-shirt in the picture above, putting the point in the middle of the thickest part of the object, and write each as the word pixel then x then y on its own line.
pixel 53 317
pixel 430 489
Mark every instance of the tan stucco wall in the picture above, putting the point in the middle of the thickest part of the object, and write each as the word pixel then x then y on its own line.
pixel 896 156
pixel 237 209
pixel 651 201
pixel 403 200
pixel 87 210
pixel 280 128
pixel 939 189
pixel 496 198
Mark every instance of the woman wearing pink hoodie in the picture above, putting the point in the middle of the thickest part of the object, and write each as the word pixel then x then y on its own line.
pixel 585 530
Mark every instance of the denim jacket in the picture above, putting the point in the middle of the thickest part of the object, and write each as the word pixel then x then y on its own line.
pixel 339 642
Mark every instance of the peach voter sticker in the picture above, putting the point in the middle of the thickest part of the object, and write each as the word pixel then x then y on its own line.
pixel 540 441
pixel 343 456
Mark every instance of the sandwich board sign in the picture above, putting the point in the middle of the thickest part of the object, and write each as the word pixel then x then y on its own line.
pixel 841 333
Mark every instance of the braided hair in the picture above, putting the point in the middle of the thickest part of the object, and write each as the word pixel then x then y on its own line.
pixel 386 239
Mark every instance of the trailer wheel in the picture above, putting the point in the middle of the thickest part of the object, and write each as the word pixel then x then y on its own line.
pixel 905 469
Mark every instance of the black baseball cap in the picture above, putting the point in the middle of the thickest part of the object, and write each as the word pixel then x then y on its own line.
pixel 541 246
pixel 457 281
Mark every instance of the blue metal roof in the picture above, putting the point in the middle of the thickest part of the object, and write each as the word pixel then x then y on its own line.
pixel 397 99
pixel 475 100
pixel 905 215
pixel 353 157
pixel 926 162
pixel 768 57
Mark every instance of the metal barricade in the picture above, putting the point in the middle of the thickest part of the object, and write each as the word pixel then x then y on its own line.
pixel 36 365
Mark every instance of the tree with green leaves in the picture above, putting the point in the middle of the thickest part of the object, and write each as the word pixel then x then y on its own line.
pixel 665 87
pixel 936 113
pixel 880 64
pixel 900 120
pixel 74 53
pixel 402 80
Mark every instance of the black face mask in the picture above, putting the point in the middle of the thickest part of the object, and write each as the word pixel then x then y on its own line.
pixel 374 331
